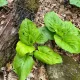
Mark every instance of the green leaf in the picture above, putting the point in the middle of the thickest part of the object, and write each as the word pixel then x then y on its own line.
pixel 67 28
pixel 68 38
pixel 45 35
pixel 3 3
pixel 69 43
pixel 28 33
pixel 67 35
pixel 75 2
pixel 40 39
pixel 22 66
pixel 22 49
pixel 55 24
pixel 51 20
pixel 47 55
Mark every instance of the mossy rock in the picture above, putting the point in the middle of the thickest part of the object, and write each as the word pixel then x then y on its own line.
pixel 32 4
pixel 68 70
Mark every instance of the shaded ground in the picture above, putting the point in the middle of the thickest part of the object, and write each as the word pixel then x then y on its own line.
pixel 64 10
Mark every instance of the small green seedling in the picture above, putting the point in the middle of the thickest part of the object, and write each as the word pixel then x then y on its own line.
pixel 30 35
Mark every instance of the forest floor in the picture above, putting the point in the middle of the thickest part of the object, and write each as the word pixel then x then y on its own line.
pixel 65 12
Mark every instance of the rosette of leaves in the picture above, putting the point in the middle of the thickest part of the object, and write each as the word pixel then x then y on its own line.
pixel 67 36
pixel 29 35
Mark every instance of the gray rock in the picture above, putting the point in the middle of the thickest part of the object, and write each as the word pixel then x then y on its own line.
pixel 68 70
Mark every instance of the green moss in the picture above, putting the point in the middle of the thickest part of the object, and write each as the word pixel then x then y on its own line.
pixel 32 4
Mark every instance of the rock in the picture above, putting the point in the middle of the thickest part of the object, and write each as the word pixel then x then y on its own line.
pixel 32 4
pixel 68 70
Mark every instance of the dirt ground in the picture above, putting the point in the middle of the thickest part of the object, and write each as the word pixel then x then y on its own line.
pixel 63 9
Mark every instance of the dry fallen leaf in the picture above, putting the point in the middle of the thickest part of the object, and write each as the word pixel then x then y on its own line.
pixel 42 73
pixel 9 66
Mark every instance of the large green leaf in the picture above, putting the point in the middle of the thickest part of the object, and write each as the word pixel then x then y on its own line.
pixel 70 43
pixel 67 35
pixel 51 20
pixel 3 3
pixel 22 66
pixel 47 55
pixel 22 49
pixel 29 34
pixel 75 2
pixel 55 24
pixel 66 29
